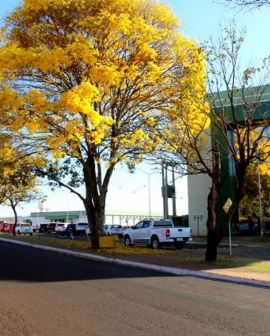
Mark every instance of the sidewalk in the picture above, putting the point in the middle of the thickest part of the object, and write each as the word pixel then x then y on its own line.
pixel 171 263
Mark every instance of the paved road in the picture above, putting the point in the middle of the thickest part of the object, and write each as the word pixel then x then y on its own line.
pixel 259 252
pixel 47 294
pixel 248 251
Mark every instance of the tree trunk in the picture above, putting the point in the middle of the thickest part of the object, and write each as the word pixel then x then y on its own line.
pixel 211 247
pixel 13 206
pixel 95 202
pixel 213 238
pixel 215 232
pixel 95 215
pixel 241 174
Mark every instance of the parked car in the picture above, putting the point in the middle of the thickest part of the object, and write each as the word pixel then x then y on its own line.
pixel 43 227
pixel 7 227
pixel 61 227
pixel 246 227
pixel 24 228
pixel 113 229
pixel 80 228
pixel 156 233
pixel 51 227
pixel 72 228
pixel 35 227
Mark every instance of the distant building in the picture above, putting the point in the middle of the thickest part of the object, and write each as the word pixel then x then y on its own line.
pixel 125 218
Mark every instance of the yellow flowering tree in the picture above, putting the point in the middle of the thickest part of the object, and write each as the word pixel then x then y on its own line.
pixel 18 181
pixel 254 194
pixel 92 82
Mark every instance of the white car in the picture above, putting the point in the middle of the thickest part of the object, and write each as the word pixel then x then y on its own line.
pixel 156 233
pixel 80 228
pixel 108 230
pixel 61 227
pixel 24 228
pixel 113 229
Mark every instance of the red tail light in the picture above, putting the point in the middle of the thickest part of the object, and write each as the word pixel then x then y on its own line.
pixel 168 233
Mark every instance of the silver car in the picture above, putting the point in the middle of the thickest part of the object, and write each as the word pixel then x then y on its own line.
pixel 24 228
pixel 113 229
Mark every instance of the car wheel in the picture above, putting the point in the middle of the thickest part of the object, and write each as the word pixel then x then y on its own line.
pixel 155 243
pixel 127 241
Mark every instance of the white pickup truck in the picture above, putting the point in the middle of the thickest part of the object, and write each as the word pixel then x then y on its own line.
pixel 156 233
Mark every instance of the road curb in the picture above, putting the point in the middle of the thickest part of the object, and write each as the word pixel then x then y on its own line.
pixel 135 264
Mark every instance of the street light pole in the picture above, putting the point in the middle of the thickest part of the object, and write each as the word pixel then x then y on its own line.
pixel 165 189
pixel 173 196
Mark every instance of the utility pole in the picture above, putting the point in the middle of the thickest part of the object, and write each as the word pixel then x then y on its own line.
pixel 165 189
pixel 260 200
pixel 174 193
pixel 168 191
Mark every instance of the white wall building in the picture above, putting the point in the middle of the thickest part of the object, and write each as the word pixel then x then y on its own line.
pixel 198 189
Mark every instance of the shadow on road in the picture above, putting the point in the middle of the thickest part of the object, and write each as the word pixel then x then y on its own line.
pixel 20 263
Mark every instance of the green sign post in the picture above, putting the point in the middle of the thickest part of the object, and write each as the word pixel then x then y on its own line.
pixel 226 207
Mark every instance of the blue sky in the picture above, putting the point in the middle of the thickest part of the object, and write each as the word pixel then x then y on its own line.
pixel 199 19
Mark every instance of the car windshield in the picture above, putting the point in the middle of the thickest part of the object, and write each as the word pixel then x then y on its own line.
pixel 25 225
pixel 60 224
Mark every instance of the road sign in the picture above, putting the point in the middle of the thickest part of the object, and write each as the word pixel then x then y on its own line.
pixel 227 205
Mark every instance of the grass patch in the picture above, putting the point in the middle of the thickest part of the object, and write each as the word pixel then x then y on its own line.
pixel 241 263
pixel 51 241
pixel 226 263
pixel 259 266
pixel 120 248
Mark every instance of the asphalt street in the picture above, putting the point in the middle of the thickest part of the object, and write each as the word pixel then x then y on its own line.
pixel 45 293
